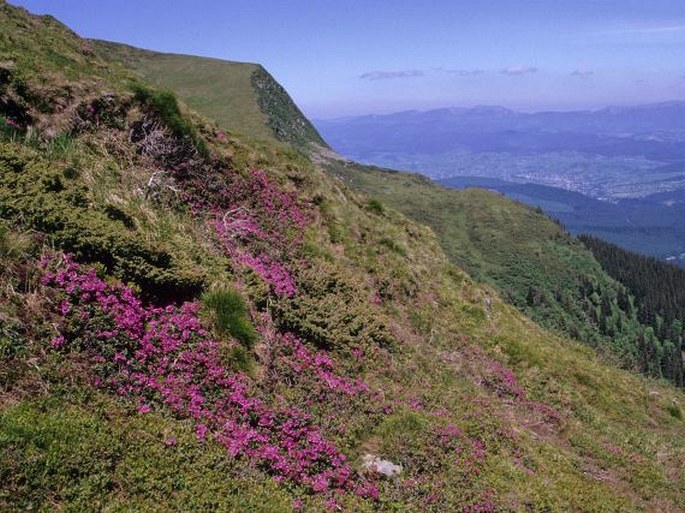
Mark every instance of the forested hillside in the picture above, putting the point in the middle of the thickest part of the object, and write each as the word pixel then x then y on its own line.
pixel 659 289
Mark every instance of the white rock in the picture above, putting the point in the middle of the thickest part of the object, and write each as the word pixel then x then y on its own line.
pixel 385 467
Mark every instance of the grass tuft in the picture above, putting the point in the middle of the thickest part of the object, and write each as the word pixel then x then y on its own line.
pixel 675 411
pixel 228 312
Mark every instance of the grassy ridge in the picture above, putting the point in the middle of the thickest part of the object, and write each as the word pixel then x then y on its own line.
pixel 241 97
pixel 213 86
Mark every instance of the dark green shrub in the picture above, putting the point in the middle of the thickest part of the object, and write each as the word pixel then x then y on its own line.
pixel 393 246
pixel 11 342
pixel 70 173
pixel 375 206
pixel 116 214
pixel 675 411
pixel 332 310
pixel 35 194
pixel 229 314
pixel 336 233
pixel 4 240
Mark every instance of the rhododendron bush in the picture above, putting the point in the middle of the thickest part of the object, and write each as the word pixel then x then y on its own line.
pixel 165 358
pixel 256 223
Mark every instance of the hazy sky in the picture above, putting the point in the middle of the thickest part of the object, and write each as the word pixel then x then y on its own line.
pixel 341 57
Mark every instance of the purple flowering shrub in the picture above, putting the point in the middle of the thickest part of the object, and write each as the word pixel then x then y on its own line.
pixel 502 380
pixel 255 221
pixel 294 361
pixel 258 225
pixel 164 358
pixel 335 395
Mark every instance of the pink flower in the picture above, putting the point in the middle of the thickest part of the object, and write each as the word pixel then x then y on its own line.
pixel 201 431
pixel 162 357
pixel 12 124
pixel 57 342
pixel 613 449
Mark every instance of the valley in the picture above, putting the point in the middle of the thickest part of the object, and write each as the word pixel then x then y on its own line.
pixel 618 173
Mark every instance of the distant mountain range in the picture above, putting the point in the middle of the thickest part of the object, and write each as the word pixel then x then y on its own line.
pixel 631 157
pixel 654 131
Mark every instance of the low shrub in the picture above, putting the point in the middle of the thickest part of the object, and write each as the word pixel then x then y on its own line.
pixel 36 194
pixel 332 311
pixel 375 206
pixel 675 411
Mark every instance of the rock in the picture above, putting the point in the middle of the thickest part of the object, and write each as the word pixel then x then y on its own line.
pixel 385 467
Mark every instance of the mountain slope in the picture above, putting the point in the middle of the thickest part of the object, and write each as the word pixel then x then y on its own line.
pixel 241 97
pixel 303 331
pixel 533 262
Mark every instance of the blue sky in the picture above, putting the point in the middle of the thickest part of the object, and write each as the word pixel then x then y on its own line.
pixel 347 57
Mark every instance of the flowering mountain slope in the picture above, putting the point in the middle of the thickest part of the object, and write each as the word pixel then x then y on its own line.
pixel 192 321
pixel 531 261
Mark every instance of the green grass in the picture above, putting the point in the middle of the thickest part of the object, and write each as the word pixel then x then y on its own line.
pixel 40 44
pixel 229 314
pixel 90 454
pixel 529 259
pixel 220 89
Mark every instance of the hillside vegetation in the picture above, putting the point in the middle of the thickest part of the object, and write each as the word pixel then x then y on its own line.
pixel 192 321
pixel 534 263
pixel 659 289
pixel 649 225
